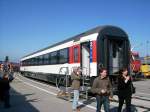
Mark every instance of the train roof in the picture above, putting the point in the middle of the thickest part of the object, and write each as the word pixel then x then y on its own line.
pixel 91 31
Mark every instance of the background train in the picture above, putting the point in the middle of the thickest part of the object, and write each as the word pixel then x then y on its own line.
pixel 135 65
pixel 145 66
pixel 135 62
pixel 103 46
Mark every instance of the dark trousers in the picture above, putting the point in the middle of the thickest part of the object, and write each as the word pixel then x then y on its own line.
pixel 102 100
pixel 6 98
pixel 127 99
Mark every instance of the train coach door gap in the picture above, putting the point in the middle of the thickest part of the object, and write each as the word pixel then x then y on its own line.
pixel 85 65
pixel 85 58
pixel 115 59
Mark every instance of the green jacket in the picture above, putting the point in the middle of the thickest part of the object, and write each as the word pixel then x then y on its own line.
pixel 75 81
pixel 100 84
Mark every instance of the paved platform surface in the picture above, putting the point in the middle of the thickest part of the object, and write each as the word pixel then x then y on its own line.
pixel 28 95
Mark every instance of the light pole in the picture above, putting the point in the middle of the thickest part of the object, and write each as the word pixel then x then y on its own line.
pixel 147 42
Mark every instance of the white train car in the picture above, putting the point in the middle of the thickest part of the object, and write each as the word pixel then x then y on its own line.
pixel 106 46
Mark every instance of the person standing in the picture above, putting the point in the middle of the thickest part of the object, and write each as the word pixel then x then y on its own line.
pixel 103 89
pixel 5 86
pixel 124 90
pixel 1 87
pixel 76 77
pixel 5 90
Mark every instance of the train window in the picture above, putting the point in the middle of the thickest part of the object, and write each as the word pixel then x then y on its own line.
pixel 28 61
pixel 36 61
pixel 31 61
pixel 22 63
pixel 63 56
pixel 25 62
pixel 76 55
pixel 46 59
pixel 54 57
pixel 40 60
pixel 49 58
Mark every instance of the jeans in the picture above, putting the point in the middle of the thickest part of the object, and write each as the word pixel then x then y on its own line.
pixel 102 100
pixel 75 99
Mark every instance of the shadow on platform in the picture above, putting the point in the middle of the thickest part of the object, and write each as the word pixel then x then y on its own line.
pixel 115 109
pixel 19 103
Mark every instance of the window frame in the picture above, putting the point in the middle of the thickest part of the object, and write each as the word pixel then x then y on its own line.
pixel 64 52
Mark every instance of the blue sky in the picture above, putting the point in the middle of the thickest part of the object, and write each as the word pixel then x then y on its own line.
pixel 29 25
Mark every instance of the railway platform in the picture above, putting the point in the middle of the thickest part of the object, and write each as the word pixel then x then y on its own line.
pixel 28 95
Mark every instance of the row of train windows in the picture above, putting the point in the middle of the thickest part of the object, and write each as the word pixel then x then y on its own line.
pixel 56 57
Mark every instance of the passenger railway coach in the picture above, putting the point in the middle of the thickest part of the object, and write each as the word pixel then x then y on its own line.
pixel 106 46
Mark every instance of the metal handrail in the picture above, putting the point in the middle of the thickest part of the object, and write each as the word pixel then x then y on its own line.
pixel 84 75
pixel 66 77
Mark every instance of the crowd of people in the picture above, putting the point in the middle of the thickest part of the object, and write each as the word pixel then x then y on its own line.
pixel 102 88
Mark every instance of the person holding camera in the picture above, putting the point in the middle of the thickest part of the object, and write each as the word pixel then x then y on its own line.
pixel 76 77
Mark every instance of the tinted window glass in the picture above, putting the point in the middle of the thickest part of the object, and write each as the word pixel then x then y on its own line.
pixel 36 61
pixel 40 60
pixel 54 58
pixel 63 56
pixel 46 59
pixel 76 54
